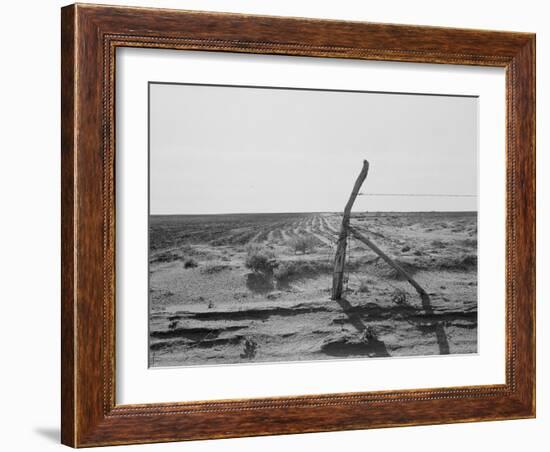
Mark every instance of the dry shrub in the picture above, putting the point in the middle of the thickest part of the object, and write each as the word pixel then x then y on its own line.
pixel 259 259
pixel 369 334
pixel 400 297
pixel 303 244
pixel 250 348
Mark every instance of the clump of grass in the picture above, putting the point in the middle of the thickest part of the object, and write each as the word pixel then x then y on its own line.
pixel 400 297
pixel 369 334
pixel 303 244
pixel 250 348
pixel 190 263
pixel 260 259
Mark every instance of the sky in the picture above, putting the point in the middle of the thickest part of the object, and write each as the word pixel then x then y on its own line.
pixel 219 149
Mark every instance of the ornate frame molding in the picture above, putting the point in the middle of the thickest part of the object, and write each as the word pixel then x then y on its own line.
pixel 90 37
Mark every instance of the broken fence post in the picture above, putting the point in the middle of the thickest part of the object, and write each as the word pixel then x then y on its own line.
pixel 340 255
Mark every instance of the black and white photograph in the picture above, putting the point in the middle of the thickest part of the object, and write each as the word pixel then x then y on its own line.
pixel 291 224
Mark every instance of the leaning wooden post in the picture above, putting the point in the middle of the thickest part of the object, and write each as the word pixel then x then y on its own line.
pixel 388 260
pixel 340 256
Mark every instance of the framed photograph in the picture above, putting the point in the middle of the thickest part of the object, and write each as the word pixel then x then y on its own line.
pixel 281 225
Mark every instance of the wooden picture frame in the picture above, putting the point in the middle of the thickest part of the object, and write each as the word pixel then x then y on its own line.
pixel 90 35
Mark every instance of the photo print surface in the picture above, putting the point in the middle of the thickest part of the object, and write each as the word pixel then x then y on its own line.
pixel 297 225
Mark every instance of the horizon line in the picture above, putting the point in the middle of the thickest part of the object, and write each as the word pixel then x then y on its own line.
pixel 311 212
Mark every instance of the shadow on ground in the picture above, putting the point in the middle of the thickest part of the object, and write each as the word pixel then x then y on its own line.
pixel 259 283
pixel 344 347
pixel 438 329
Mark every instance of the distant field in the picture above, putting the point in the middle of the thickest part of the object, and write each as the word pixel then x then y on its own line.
pixel 256 287
pixel 232 229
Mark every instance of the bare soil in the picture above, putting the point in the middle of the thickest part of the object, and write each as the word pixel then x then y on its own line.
pixel 207 307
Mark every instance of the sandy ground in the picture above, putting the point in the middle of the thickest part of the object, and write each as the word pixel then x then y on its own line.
pixel 207 307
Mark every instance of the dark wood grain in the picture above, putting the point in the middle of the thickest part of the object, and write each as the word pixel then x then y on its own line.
pixel 90 36
pixel 67 226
